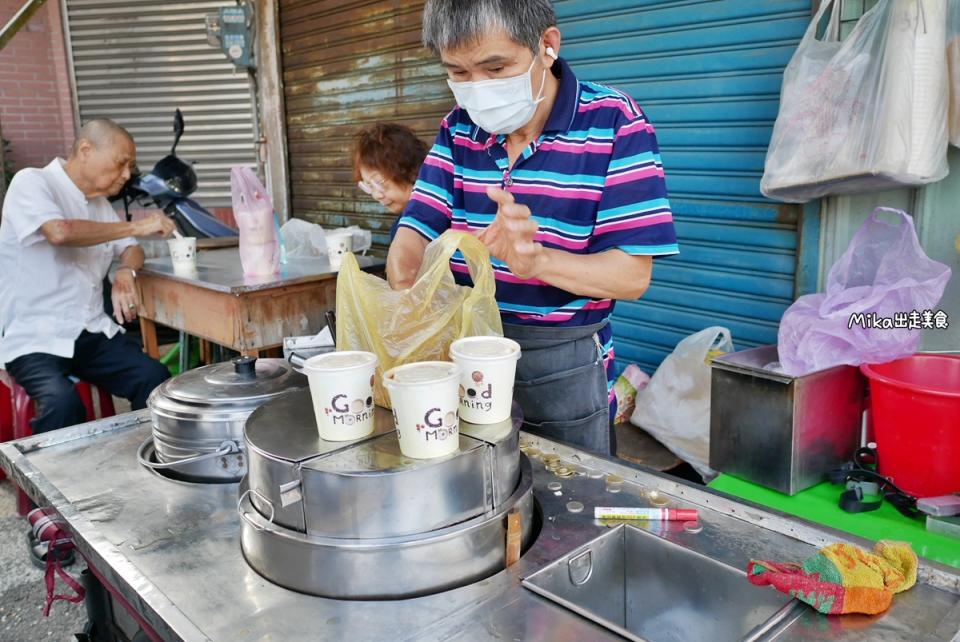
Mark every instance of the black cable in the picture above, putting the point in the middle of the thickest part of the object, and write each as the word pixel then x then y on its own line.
pixel 857 470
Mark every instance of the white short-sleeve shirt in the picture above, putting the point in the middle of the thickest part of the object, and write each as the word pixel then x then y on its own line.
pixel 50 294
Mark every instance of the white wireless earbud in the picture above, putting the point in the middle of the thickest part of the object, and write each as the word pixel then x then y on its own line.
pixel 551 53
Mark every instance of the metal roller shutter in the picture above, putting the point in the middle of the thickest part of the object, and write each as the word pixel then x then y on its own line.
pixel 136 62
pixel 707 74
pixel 346 65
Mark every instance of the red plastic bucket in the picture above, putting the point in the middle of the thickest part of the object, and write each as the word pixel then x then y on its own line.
pixel 915 406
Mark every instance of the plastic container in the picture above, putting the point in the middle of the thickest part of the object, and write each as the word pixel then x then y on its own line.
pixel 915 407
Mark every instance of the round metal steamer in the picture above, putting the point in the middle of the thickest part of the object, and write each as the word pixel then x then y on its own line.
pixel 198 417
pixel 386 568
pixel 339 519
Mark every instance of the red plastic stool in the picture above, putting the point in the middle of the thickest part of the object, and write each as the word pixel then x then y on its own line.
pixel 23 410
pixel 6 417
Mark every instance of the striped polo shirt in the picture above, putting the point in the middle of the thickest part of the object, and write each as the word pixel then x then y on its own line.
pixel 593 181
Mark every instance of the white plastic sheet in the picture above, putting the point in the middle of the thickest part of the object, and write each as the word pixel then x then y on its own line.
pixel 303 239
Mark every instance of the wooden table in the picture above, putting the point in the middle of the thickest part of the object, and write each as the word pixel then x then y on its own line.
pixel 246 314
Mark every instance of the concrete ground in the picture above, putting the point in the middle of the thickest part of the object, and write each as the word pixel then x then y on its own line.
pixel 22 589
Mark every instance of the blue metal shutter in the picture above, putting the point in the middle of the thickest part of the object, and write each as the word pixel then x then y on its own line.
pixel 708 75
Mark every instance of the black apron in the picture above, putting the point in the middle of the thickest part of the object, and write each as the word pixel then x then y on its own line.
pixel 561 385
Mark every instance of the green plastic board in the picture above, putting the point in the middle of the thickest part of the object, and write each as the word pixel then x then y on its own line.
pixel 819 505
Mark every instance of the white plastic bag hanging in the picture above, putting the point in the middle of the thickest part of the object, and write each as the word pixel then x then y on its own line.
pixel 675 405
pixel 865 113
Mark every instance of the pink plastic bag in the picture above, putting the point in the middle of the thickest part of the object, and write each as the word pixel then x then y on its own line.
pixel 253 209
pixel 626 387
pixel 883 279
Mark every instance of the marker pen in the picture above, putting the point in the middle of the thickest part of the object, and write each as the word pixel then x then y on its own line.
pixel 652 514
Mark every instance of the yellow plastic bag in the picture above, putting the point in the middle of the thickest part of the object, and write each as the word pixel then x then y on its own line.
pixel 420 323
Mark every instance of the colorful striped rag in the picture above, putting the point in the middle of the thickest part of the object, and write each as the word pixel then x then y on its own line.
pixel 842 578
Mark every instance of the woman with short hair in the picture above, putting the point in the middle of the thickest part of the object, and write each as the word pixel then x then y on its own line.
pixel 386 161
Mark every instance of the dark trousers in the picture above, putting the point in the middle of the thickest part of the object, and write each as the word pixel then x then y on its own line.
pixel 116 365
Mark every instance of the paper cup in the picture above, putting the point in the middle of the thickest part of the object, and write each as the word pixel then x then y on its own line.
pixel 341 385
pixel 183 254
pixel 488 366
pixel 425 407
pixel 339 242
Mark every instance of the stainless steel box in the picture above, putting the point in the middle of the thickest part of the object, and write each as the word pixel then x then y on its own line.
pixel 779 431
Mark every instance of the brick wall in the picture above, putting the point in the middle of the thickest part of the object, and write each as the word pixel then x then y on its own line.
pixel 36 106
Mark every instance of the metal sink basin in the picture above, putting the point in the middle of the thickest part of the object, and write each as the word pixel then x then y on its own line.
pixel 646 588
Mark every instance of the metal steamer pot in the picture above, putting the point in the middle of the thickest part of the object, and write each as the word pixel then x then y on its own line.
pixel 386 568
pixel 198 417
pixel 328 518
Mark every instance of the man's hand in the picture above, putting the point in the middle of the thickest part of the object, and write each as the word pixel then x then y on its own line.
pixel 126 300
pixel 159 224
pixel 510 238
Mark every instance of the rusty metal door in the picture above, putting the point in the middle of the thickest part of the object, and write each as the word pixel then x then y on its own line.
pixel 347 65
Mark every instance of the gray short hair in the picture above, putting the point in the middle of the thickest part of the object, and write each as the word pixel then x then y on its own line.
pixel 451 24
pixel 101 133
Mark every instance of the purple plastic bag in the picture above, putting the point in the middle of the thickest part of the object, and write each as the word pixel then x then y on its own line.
pixel 883 275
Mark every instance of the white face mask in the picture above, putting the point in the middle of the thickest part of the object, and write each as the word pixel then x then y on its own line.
pixel 503 105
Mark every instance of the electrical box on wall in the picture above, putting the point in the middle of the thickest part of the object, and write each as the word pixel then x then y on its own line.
pixel 231 29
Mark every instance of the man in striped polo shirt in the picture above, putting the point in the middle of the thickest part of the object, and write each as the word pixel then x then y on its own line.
pixel 562 181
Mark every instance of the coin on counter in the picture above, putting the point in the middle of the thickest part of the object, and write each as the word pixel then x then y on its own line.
pixel 657 498
pixel 693 527
pixel 614 483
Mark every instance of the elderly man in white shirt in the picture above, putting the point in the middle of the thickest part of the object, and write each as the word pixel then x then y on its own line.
pixel 58 238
